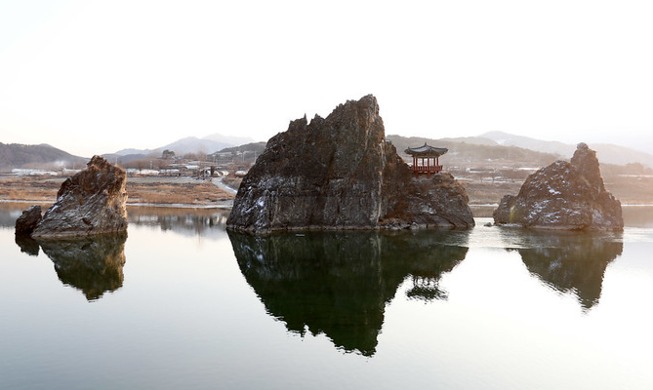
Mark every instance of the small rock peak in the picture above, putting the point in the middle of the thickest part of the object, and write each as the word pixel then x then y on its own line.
pixel 97 160
pixel 368 107
pixel 100 163
pixel 585 162
pixel 584 156
pixel 28 221
pixel 569 195
pixel 369 102
pixel 365 107
pixel 93 201
pixel 298 124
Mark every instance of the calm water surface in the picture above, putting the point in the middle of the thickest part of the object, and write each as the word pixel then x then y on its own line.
pixel 181 303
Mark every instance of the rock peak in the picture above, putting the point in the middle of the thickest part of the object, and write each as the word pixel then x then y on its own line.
pixel 100 162
pixel 339 173
pixel 564 195
pixel 585 162
pixel 369 102
pixel 91 202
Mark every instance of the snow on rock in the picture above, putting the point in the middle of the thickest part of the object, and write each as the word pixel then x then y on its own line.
pixel 564 195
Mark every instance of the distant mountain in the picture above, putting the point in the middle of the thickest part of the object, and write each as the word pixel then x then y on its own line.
pixel 606 153
pixel 621 155
pixel 194 145
pixel 36 156
pixel 228 139
pixel 487 154
pixel 128 158
pixel 507 139
pixel 209 144
pixel 126 152
pixel 470 140
pixel 257 147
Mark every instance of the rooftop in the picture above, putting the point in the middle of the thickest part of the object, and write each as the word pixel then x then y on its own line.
pixel 426 151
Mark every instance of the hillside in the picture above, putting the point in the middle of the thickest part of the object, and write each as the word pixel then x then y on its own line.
pixel 607 153
pixel 206 145
pixel 470 155
pixel 36 156
pixel 257 147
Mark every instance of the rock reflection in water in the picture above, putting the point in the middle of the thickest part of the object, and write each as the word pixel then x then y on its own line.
pixel 27 245
pixel 92 265
pixel 183 221
pixel 339 283
pixel 570 262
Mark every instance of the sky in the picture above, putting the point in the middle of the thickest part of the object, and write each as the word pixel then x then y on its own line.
pixel 93 77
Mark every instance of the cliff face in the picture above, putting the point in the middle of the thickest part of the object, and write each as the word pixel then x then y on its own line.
pixel 340 173
pixel 91 202
pixel 564 195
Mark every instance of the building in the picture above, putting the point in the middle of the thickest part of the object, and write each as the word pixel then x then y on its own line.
pixel 426 159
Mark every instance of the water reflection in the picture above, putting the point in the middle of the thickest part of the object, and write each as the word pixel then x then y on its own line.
pixel 92 265
pixel 638 216
pixel 27 245
pixel 339 283
pixel 568 262
pixel 9 212
pixel 189 222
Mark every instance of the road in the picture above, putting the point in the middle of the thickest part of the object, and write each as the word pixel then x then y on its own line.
pixel 218 182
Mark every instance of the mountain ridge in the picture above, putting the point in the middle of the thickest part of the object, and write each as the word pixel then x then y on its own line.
pixel 487 149
pixel 608 153
pixel 208 144
pixel 24 156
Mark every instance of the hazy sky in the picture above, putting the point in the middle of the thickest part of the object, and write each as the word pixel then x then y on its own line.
pixel 93 77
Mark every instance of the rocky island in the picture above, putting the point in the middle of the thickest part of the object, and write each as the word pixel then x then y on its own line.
pixel 339 172
pixel 564 195
pixel 91 202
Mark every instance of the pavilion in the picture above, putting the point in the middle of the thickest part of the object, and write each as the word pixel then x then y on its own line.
pixel 426 159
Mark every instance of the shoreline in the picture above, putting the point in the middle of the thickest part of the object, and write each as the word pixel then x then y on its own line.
pixel 191 193
pixel 228 204
pixel 177 192
pixel 181 206
pixel 135 204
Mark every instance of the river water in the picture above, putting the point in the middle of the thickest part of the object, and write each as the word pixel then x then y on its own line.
pixel 182 303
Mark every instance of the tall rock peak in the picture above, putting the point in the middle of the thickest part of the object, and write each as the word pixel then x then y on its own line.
pixel 339 173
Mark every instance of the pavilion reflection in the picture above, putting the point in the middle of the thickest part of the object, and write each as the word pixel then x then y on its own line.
pixel 569 262
pixel 92 265
pixel 339 283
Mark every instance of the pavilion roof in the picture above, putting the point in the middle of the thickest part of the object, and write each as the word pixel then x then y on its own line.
pixel 426 151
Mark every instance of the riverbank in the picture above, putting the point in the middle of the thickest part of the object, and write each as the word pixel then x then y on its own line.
pixel 176 192
pixel 191 193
